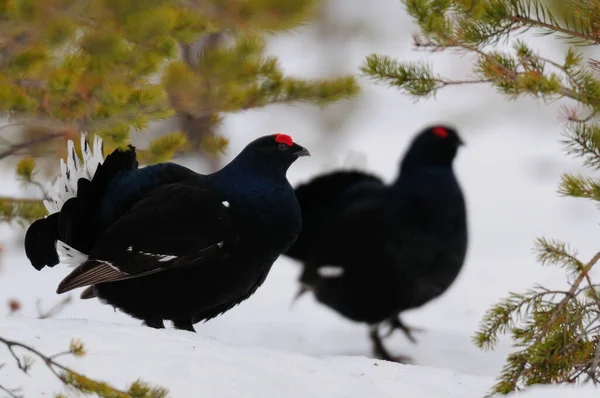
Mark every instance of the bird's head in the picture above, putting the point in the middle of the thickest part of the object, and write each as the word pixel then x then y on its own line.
pixel 276 148
pixel 434 146
pixel 269 155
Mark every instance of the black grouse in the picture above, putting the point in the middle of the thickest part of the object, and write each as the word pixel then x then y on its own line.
pixel 163 242
pixel 371 250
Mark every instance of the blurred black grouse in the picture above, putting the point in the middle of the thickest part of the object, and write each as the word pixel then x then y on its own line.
pixel 163 242
pixel 370 251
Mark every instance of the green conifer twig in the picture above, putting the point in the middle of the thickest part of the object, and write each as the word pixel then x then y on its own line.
pixel 558 333
pixel 73 379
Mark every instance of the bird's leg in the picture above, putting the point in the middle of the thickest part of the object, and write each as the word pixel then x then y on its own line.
pixel 303 289
pixel 396 323
pixel 184 324
pixel 379 350
pixel 154 323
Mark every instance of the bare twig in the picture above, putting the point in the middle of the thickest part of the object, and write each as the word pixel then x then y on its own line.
pixel 594 366
pixel 11 393
pixel 55 309
pixel 20 363
pixel 8 125
pixel 594 291
pixel 16 148
pixel 49 361
pixel 43 190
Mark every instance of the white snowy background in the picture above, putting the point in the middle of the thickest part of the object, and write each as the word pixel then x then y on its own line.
pixel 509 171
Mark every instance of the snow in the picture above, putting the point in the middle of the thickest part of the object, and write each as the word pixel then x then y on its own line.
pixel 509 171
pixel 191 365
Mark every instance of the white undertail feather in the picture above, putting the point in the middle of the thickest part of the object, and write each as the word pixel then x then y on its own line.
pixel 64 186
pixel 330 271
pixel 68 255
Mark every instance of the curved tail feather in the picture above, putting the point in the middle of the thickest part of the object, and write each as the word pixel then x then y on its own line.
pixel 68 233
pixel 64 186
pixel 39 242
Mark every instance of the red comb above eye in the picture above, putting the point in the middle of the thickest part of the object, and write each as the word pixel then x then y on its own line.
pixel 440 132
pixel 284 139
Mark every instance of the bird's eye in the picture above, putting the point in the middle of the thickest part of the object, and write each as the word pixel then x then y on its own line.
pixel 283 147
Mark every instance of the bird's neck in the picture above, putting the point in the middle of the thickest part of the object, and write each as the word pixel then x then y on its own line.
pixel 419 174
pixel 417 164
pixel 250 183
pixel 413 164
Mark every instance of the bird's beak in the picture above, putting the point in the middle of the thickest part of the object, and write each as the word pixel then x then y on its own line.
pixel 461 142
pixel 303 289
pixel 302 152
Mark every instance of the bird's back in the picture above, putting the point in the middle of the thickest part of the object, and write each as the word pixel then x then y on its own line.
pixel 323 199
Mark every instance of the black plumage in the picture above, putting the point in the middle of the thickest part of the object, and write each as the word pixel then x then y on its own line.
pixel 371 250
pixel 163 242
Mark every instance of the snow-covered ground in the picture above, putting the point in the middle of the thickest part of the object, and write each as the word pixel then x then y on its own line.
pixel 193 366
pixel 201 367
pixel 509 171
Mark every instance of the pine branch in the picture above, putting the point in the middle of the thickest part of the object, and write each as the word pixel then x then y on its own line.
pixel 522 362
pixel 417 79
pixel 553 27
pixel 91 66
pixel 500 318
pixel 584 141
pixel 559 333
pixel 502 72
pixel 571 293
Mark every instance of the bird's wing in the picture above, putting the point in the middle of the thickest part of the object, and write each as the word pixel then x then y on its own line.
pixel 349 243
pixel 356 228
pixel 322 198
pixel 125 189
pixel 175 226
pixel 430 223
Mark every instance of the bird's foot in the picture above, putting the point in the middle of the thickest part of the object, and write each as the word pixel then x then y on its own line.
pixel 184 324
pixel 301 291
pixel 396 323
pixel 386 356
pixel 380 352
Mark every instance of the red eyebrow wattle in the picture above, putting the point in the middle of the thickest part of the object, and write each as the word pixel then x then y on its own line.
pixel 284 139
pixel 440 132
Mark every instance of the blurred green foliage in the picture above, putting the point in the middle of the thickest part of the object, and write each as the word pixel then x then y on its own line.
pixel 111 67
